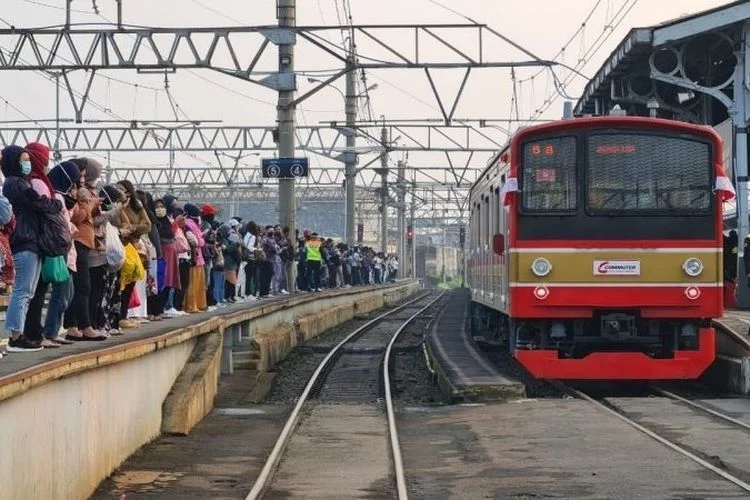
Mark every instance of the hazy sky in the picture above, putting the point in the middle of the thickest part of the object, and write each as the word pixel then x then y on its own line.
pixel 541 26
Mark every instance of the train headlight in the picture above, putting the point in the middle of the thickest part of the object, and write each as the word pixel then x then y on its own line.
pixel 692 266
pixel 541 267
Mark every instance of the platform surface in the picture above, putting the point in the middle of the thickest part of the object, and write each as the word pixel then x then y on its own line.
pixel 469 374
pixel 15 363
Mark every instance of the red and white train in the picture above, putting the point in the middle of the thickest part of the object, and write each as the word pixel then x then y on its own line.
pixel 595 248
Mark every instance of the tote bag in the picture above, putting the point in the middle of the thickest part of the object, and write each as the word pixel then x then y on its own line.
pixel 55 270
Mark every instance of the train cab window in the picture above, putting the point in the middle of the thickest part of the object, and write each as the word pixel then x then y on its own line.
pixel 636 173
pixel 548 175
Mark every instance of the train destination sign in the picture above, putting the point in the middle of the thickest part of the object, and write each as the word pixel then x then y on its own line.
pixel 284 168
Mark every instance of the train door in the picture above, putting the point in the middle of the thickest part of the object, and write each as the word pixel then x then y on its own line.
pixel 504 259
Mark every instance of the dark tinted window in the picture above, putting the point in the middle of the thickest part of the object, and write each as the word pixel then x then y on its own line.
pixel 548 181
pixel 647 173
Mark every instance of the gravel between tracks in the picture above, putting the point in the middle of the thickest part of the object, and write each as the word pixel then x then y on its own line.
pixel 295 371
pixel 412 382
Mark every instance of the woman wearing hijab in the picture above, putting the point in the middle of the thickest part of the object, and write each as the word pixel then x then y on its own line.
pixel 61 292
pixel 230 246
pixel 171 275
pixel 77 320
pixel 30 209
pixel 135 223
pixel 107 311
pixel 177 296
pixel 195 295
pixel 251 270
pixel 98 270
pixel 64 180
pixel 151 307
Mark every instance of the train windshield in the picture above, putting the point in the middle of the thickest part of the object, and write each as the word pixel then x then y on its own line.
pixel 549 182
pixel 639 173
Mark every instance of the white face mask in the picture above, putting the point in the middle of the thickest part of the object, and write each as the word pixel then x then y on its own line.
pixel 161 212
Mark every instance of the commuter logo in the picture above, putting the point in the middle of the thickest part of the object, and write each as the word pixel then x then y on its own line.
pixel 617 268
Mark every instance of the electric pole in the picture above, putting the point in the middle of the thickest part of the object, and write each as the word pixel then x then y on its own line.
pixel 286 12
pixel 401 188
pixel 350 156
pixel 413 227
pixel 384 191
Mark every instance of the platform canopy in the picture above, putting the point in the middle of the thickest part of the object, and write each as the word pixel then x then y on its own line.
pixel 684 68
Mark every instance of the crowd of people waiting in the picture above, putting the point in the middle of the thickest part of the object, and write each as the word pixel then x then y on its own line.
pixel 112 257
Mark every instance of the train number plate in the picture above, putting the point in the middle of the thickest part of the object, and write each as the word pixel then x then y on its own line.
pixel 617 268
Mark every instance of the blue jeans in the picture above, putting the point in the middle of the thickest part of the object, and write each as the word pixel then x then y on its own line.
pixel 169 303
pixel 218 290
pixel 59 299
pixel 276 284
pixel 28 268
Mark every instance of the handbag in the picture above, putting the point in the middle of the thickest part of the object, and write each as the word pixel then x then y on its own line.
pixel 245 253
pixel 180 241
pixel 114 251
pixel 135 300
pixel 55 269
pixel 132 268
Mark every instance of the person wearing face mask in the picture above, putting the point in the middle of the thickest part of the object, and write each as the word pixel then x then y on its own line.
pixel 195 295
pixel 29 209
pixel 64 180
pixel 151 307
pixel 108 310
pixel 102 279
pixel 270 249
pixel 135 223
pixel 171 274
pixel 77 320
pixel 61 292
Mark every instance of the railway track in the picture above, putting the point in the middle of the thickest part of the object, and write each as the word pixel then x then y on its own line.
pixel 352 371
pixel 710 438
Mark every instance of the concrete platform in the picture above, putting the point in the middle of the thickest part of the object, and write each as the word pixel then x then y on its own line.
pixel 110 398
pixel 731 371
pixel 463 373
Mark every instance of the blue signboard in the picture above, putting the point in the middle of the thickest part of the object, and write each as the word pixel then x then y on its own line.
pixel 284 168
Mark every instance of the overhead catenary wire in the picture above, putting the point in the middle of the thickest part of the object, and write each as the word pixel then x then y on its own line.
pixel 561 86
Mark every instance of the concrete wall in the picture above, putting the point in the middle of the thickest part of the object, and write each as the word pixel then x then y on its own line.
pixel 67 424
pixel 59 440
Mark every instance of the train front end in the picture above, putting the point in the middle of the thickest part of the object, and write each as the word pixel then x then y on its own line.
pixel 614 249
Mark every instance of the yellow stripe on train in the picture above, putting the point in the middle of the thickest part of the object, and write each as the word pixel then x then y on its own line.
pixel 618 266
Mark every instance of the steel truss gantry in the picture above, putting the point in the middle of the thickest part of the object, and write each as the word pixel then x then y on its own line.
pixel 249 177
pixel 243 52
pixel 327 141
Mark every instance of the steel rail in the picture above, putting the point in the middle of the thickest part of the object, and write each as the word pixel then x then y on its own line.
pixel 398 460
pixel 706 409
pixel 263 480
pixel 653 435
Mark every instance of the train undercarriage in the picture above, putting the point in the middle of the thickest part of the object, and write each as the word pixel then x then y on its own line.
pixel 612 345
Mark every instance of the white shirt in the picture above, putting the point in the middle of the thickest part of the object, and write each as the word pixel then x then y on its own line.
pixel 249 240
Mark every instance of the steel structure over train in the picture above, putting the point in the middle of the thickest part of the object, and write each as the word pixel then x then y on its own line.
pixel 596 248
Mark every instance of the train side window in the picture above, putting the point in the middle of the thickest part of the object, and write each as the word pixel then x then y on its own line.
pixel 479 225
pixel 486 220
pixel 498 212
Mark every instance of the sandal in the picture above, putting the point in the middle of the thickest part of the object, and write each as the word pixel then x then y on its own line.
pixel 95 338
pixel 62 340
pixel 49 343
